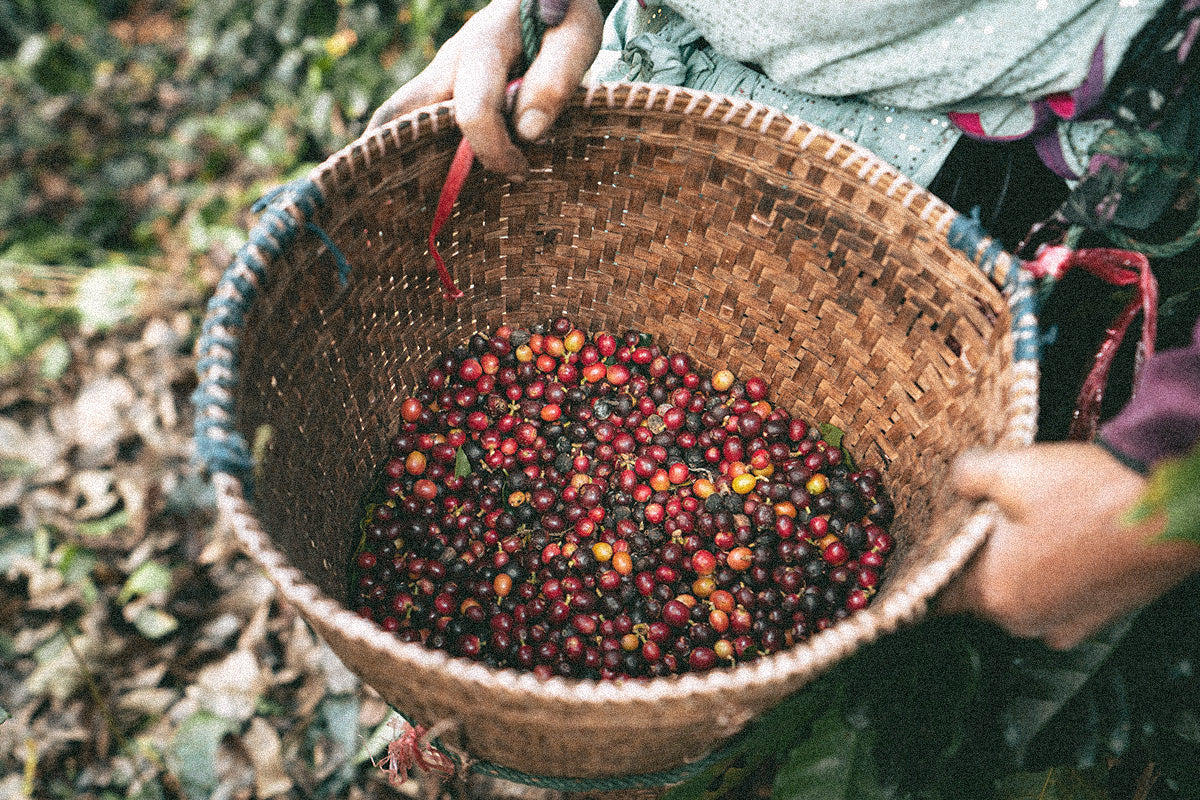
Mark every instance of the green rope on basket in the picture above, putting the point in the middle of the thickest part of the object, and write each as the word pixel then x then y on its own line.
pixel 219 445
pixel 645 780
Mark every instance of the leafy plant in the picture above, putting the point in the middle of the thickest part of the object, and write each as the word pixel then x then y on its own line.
pixel 1174 491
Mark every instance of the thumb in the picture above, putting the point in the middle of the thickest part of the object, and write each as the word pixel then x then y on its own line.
pixel 996 475
pixel 565 55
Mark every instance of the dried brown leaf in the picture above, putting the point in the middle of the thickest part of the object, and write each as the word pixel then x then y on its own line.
pixel 230 688
pixel 255 631
pixel 95 421
pixel 264 748
pixel 90 493
pixel 147 701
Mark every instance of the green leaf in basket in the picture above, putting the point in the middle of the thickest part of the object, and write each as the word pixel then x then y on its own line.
pixel 833 435
pixel 462 464
pixel 258 450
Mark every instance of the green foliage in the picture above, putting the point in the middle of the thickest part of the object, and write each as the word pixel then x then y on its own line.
pixel 139 139
pixel 1053 784
pixel 462 464
pixel 834 435
pixel 768 737
pixel 35 301
pixel 1174 491
pixel 835 762
pixel 955 710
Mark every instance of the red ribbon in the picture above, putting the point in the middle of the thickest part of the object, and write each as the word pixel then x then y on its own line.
pixel 1118 268
pixel 460 168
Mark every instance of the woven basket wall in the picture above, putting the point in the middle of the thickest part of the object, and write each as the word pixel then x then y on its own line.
pixel 726 230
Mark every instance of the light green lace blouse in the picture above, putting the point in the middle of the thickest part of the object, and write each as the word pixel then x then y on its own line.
pixel 882 73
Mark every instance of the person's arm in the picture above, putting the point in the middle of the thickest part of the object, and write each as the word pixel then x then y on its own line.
pixel 1063 561
pixel 473 68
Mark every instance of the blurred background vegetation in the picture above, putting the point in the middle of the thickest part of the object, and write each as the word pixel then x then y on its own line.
pixel 134 135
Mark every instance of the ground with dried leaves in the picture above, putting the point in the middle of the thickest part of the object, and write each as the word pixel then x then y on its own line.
pixel 145 656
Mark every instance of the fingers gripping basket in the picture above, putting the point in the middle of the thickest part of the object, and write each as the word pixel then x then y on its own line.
pixel 724 229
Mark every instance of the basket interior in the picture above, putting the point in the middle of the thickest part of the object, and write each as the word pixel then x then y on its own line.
pixel 729 248
pixel 773 250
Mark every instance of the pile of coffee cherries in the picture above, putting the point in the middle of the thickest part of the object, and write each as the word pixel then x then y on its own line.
pixel 590 506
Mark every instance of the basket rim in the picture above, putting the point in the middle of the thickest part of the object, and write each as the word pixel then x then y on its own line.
pixel 815 655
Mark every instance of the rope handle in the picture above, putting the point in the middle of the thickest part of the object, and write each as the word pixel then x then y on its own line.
pixel 966 233
pixel 285 211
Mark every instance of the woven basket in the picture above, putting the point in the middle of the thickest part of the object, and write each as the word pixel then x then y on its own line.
pixel 722 228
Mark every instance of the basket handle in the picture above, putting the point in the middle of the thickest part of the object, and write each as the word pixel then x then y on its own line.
pixel 966 234
pixel 285 211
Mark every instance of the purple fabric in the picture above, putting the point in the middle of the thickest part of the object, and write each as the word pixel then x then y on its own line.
pixel 553 12
pixel 1163 419
pixel 1049 149
pixel 1075 104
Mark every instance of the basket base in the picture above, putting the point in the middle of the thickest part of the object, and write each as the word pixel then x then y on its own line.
pixel 483 787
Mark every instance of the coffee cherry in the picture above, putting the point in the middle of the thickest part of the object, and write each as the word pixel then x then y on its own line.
pixel 620 514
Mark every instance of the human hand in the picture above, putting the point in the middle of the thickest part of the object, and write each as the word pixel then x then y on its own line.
pixel 1063 562
pixel 473 68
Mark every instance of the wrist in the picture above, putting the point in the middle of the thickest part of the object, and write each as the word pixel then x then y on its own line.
pixel 1125 458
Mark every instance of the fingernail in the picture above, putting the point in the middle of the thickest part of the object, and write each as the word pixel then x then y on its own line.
pixel 532 124
pixel 517 177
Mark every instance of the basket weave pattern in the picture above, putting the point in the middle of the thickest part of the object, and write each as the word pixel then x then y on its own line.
pixel 723 229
